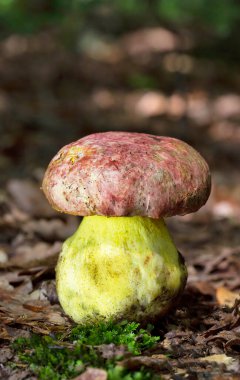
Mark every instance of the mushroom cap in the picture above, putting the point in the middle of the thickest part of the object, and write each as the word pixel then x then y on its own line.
pixel 126 174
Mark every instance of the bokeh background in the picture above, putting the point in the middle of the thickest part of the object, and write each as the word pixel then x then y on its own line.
pixel 70 68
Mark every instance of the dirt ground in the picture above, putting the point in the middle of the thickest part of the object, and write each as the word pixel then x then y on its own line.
pixel 49 97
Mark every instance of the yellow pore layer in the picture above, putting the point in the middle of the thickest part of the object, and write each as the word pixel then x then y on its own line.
pixel 119 267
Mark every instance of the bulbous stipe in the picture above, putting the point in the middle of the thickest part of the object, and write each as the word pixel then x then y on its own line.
pixel 119 268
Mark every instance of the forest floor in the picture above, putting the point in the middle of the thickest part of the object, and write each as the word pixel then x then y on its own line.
pixel 49 97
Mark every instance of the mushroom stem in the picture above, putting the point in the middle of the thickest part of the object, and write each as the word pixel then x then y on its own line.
pixel 119 267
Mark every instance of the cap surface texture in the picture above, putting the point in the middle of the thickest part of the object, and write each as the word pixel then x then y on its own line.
pixel 124 174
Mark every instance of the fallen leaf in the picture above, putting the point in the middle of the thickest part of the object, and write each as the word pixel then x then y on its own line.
pixel 42 318
pixel 5 285
pixel 109 351
pixel 5 354
pixel 203 287
pixel 11 333
pixel 29 198
pixel 36 307
pixel 159 356
pixel 137 362
pixel 221 359
pixel 53 229
pixel 231 364
pixel 3 256
pixel 22 375
pixel 56 318
pixel 233 343
pixel 92 374
pixel 226 297
pixel 46 291
pixel 28 256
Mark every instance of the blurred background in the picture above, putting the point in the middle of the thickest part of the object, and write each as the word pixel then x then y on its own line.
pixel 69 68
pixel 73 67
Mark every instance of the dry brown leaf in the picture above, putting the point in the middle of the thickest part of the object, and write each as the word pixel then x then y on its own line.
pixel 53 229
pixel 226 297
pixel 221 359
pixel 29 198
pixel 92 374
pixel 233 343
pixel 3 256
pixel 56 318
pixel 5 354
pixel 36 307
pixel 6 294
pixel 4 332
pixel 40 254
pixel 231 364
pixel 109 351
pixel 203 287
pixel 46 291
pixel 42 318
pixel 159 356
pixel 11 333
pixel 137 362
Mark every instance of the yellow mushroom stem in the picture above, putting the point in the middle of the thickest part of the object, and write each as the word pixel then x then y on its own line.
pixel 116 268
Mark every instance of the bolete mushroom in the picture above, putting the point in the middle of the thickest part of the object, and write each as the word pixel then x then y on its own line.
pixel 122 262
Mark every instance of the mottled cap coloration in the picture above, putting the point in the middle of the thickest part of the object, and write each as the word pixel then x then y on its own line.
pixel 124 174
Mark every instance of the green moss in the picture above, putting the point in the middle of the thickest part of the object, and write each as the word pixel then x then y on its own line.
pixel 59 358
pixel 119 373
pixel 128 334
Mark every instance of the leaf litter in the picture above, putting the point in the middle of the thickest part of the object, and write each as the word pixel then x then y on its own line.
pixel 202 336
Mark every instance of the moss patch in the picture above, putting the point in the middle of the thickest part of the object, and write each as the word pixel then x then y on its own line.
pixel 60 358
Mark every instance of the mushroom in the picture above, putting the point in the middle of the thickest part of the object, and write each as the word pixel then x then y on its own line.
pixel 121 263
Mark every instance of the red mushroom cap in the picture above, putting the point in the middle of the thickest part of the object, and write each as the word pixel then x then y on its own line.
pixel 124 174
